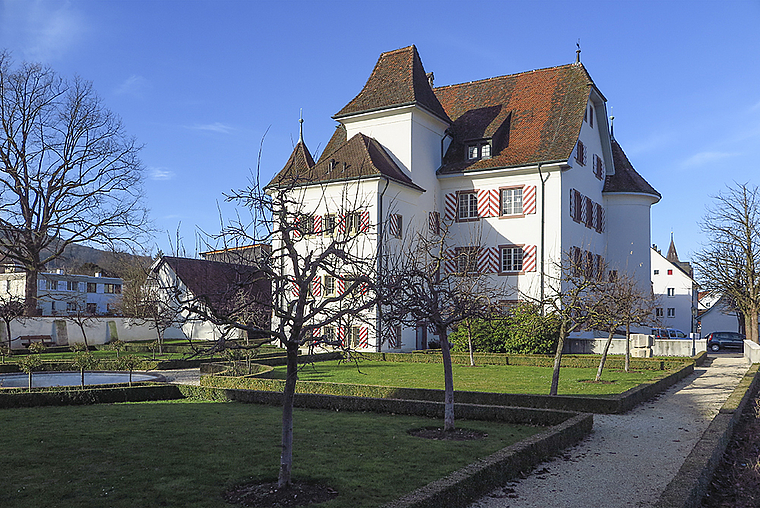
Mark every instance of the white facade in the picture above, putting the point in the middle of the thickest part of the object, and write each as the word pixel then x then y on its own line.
pixel 715 315
pixel 677 295
pixel 61 294
pixel 503 172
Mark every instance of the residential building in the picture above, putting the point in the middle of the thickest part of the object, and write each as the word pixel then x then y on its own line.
pixel 717 314
pixel 254 255
pixel 205 297
pixel 61 294
pixel 521 169
pixel 675 289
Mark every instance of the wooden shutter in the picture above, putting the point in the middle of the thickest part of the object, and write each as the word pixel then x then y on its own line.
pixel 316 287
pixel 529 199
pixel 450 206
pixel 488 260
pixel 434 222
pixel 529 258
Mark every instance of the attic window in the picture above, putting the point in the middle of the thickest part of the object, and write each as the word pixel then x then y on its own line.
pixel 479 150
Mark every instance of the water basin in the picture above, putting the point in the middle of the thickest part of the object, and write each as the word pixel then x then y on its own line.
pixel 74 378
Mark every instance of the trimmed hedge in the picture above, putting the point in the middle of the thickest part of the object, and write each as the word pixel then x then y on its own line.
pixel 581 361
pixel 68 396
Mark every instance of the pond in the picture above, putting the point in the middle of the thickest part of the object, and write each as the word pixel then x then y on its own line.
pixel 74 378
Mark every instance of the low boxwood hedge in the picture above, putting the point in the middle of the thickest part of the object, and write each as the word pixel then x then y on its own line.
pixel 67 395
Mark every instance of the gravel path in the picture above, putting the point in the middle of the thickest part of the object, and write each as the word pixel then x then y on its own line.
pixel 628 459
pixel 181 376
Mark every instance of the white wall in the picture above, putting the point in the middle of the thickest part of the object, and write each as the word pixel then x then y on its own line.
pixel 683 287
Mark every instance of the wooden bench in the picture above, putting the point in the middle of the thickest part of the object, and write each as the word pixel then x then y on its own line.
pixel 46 340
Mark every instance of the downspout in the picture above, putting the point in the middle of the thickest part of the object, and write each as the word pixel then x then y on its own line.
pixel 543 233
pixel 379 326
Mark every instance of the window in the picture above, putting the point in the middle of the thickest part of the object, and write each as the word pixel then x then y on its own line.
pixel 92 287
pixel 306 224
pixel 511 259
pixel 328 334
pixel 51 285
pixel 580 154
pixel 671 291
pixel 588 212
pixel 671 312
pixel 92 308
pixel 657 272
pixel 71 306
pixel 670 272
pixel 72 285
pixel 658 312
pixel 598 167
pixel 329 285
pixel 591 116
pixel 395 337
pixel 467 260
pixel 467 205
pixel 353 222
pixel 329 223
pixel 354 337
pixel 479 150
pixel 511 201
pixel 112 289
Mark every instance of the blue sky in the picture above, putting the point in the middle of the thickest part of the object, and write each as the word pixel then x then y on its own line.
pixel 199 83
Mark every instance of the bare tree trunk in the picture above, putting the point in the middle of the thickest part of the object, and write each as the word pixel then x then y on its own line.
pixel 448 380
pixel 628 347
pixel 31 292
pixel 604 355
pixel 558 358
pixel 469 342
pixel 286 458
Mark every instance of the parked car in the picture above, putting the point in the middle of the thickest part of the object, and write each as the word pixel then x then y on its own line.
pixel 668 333
pixel 725 340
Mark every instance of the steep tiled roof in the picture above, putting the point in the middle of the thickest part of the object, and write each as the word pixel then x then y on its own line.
pixel 220 284
pixel 338 138
pixel 359 157
pixel 398 79
pixel 531 117
pixel 626 179
pixel 300 160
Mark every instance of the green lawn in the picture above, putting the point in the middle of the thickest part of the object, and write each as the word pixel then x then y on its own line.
pixel 184 454
pixel 486 378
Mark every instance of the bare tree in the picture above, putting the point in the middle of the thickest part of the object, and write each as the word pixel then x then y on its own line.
pixel 428 282
pixel 730 263
pixel 68 172
pixel 622 303
pixel 574 295
pixel 319 276
pixel 11 309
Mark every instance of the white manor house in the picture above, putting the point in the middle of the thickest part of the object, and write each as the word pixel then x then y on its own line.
pixel 527 160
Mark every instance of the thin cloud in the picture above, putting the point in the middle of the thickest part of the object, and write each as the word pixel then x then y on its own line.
pixel 41 30
pixel 161 174
pixel 134 85
pixel 702 158
pixel 212 127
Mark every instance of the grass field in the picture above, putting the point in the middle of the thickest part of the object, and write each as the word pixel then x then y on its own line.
pixel 184 454
pixel 486 378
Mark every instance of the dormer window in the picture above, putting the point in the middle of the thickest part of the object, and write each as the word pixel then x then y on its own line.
pixel 479 150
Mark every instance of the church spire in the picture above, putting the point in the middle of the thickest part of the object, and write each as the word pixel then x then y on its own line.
pixel 672 254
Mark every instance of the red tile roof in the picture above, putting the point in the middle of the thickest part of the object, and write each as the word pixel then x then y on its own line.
pixel 398 79
pixel 626 179
pixel 531 117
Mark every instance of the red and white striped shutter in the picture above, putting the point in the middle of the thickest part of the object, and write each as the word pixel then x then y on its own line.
pixel 317 332
pixel 341 286
pixel 342 224
pixel 316 287
pixel 364 288
pixel 450 206
pixel 363 337
pixel 450 261
pixel 529 258
pixel 342 336
pixel 434 222
pixel 297 228
pixel 365 221
pixel 488 203
pixel 488 258
pixel 295 289
pixel 529 199
pixel 393 225
pixel 317 224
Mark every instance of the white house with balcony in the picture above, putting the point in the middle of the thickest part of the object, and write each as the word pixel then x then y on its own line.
pixel 522 169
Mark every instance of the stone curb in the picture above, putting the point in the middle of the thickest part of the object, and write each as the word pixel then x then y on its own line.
pixel 690 484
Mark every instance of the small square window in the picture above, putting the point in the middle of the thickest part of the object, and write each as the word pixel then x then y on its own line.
pixel 329 285
pixel 511 259
pixel 479 150
pixel 657 272
pixel 670 272
pixel 658 312
pixel 671 312
pixel 671 291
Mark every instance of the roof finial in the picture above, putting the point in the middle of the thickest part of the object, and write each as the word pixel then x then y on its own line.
pixel 578 52
pixel 612 123
pixel 300 131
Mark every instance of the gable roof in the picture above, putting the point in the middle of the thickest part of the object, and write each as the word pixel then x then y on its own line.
pixel 358 157
pixel 219 284
pixel 398 79
pixel 531 117
pixel 625 178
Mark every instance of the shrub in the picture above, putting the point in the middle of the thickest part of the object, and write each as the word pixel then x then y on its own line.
pixel 523 331
pixel 37 347
pixel 78 347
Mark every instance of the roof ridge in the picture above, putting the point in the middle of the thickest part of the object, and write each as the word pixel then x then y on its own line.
pixel 494 78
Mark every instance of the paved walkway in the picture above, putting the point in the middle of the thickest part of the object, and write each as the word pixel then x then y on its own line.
pixel 181 376
pixel 628 459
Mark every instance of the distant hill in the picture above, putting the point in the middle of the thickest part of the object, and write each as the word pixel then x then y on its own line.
pixel 84 260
